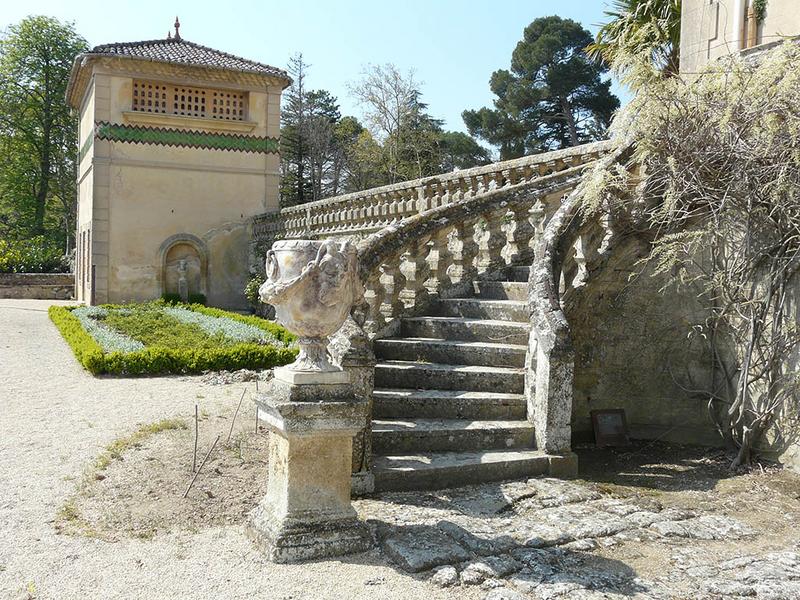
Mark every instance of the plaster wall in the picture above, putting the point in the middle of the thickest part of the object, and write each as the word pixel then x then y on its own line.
pixel 712 29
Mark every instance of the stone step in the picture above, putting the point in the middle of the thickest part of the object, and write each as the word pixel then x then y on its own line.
pixel 501 290
pixel 438 376
pixel 518 273
pixel 396 403
pixel 479 308
pixel 460 328
pixel 430 471
pixel 390 437
pixel 451 352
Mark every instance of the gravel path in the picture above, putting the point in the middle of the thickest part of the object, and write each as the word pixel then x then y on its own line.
pixel 55 420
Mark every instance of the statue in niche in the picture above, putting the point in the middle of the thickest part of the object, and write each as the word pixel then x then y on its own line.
pixel 183 273
pixel 183 284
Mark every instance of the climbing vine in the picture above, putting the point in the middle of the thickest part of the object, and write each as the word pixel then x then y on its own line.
pixel 715 182
pixel 760 9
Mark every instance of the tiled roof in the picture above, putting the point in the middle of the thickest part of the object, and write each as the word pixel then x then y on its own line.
pixel 180 51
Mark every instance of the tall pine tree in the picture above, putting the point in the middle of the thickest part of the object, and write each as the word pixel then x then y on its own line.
pixel 552 97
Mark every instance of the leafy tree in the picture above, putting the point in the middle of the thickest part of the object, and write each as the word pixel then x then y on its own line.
pixel 552 97
pixel 392 111
pixel 417 141
pixel 461 151
pixel 38 135
pixel 319 133
pixel 365 166
pixel 641 41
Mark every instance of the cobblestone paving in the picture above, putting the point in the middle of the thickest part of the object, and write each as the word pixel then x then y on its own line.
pixel 545 539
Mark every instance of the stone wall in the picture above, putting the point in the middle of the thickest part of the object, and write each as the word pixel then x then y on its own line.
pixel 632 351
pixel 43 286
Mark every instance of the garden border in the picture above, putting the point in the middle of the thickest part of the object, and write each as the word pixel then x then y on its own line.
pixel 168 361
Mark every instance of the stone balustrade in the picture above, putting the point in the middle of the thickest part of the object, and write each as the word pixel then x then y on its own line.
pixel 427 239
pixel 362 213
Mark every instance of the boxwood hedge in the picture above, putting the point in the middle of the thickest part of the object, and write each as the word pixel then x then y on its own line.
pixel 159 361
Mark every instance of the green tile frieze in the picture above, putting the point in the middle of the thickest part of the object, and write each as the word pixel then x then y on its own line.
pixel 162 136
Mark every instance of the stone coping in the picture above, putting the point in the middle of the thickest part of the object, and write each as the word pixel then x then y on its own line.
pixel 535 159
pixel 12 279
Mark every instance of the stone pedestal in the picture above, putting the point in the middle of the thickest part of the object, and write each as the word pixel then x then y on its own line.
pixel 306 513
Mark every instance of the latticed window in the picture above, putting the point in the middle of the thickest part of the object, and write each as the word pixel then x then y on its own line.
pixel 149 97
pixel 161 98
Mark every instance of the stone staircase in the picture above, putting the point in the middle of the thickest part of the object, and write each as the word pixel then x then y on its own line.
pixel 449 406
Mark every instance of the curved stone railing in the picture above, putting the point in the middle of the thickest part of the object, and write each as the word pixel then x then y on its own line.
pixel 362 213
pixel 440 252
pixel 569 250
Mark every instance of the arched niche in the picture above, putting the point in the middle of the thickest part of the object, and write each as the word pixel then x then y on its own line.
pixel 184 265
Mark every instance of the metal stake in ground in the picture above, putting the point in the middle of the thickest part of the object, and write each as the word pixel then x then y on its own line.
pixel 196 430
pixel 233 421
pixel 200 468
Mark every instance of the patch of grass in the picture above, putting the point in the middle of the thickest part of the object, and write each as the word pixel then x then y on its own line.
pixel 116 448
pixel 69 515
pixel 153 327
pixel 69 512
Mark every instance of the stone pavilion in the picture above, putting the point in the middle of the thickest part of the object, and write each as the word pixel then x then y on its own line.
pixel 178 150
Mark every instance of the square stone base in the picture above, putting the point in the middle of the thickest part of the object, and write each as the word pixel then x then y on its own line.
pixel 306 513
pixel 563 466
pixel 287 542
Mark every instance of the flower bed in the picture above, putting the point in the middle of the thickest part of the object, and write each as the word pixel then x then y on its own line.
pixel 158 338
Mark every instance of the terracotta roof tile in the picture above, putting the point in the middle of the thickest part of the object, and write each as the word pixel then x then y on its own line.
pixel 180 51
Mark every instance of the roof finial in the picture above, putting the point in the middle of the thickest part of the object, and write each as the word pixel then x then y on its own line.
pixel 169 35
pixel 177 29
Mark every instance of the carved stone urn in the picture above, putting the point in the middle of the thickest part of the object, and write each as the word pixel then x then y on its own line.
pixel 313 285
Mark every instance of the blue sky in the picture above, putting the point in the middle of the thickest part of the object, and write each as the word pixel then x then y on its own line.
pixel 453 46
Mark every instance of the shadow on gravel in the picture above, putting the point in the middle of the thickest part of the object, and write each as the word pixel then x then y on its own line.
pixel 655 466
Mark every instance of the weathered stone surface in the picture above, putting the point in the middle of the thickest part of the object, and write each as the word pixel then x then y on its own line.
pixel 446 576
pixel 548 492
pixel 46 286
pixel 312 285
pixel 419 548
pixel 306 512
pixel 706 527
pixel 491 567
pixel 581 545
pixel 505 594
pixel 481 544
pixel 471 521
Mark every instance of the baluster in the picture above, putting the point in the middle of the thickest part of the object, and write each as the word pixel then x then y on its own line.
pixel 520 232
pixel 463 248
pixel 569 269
pixel 528 174
pixel 439 261
pixel 374 293
pixel 492 239
pixel 393 281
pixel 416 271
pixel 581 275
